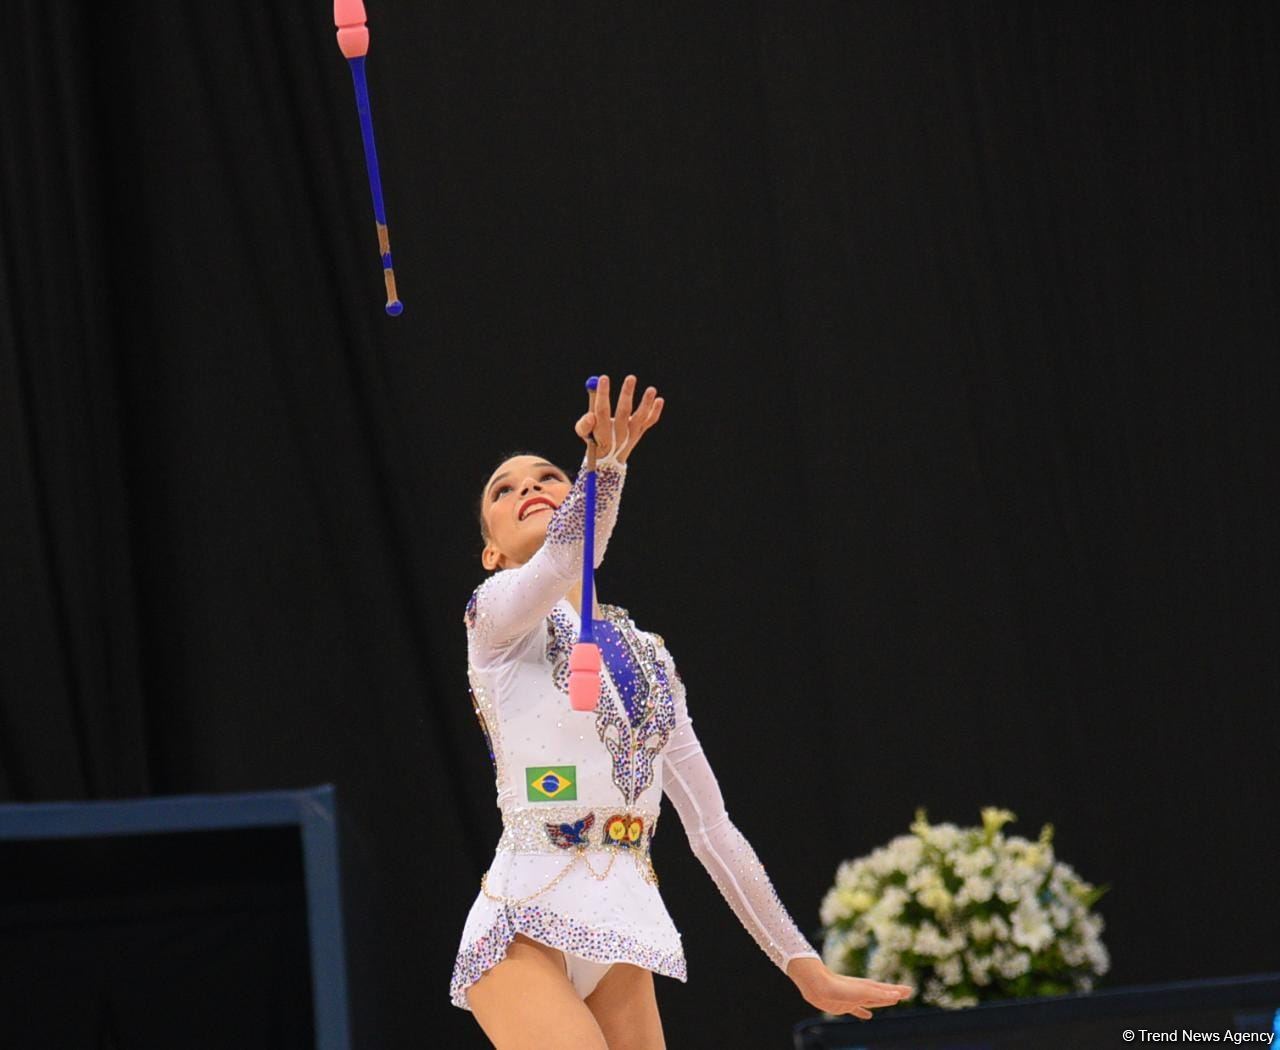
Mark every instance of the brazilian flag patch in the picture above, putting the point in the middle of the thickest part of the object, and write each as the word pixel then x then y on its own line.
pixel 551 783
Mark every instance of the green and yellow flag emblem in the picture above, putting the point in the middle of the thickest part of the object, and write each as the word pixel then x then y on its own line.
pixel 551 783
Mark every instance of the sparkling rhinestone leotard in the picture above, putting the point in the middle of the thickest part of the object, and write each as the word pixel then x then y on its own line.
pixel 580 792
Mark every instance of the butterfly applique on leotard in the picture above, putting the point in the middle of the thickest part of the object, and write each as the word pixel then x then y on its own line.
pixel 566 836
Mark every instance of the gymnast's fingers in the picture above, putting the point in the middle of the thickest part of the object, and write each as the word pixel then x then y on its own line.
pixel 650 419
pixel 622 412
pixel 583 427
pixel 897 991
pixel 879 993
pixel 870 1000
pixel 604 420
pixel 645 416
pixel 640 417
pixel 658 402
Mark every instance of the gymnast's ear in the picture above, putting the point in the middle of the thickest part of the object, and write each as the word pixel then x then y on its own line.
pixel 491 557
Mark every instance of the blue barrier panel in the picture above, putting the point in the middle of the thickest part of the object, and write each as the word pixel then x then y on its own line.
pixel 312 812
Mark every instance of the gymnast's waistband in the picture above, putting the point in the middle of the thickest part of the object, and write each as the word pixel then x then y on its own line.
pixel 556 829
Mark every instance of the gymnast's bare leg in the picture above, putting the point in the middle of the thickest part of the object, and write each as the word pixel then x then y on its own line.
pixel 626 1009
pixel 526 1002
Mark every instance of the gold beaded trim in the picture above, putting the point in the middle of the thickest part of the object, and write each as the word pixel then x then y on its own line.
pixel 578 854
pixel 645 867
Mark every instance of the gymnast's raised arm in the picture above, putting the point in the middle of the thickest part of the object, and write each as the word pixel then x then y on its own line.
pixel 533 522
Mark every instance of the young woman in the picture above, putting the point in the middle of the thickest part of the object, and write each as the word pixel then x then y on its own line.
pixel 561 944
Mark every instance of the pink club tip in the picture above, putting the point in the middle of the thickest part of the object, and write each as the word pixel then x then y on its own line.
pixel 584 676
pixel 353 35
pixel 584 690
pixel 348 12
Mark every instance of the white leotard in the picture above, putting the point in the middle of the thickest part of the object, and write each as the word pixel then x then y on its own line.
pixel 580 792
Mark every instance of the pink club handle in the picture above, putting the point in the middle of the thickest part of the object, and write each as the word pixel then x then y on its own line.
pixel 584 676
pixel 353 34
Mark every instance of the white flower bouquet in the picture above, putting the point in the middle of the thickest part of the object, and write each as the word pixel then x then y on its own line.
pixel 965 915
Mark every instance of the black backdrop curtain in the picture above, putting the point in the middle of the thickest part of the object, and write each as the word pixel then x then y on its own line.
pixel 966 316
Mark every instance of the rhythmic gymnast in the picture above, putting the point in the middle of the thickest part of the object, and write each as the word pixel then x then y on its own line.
pixel 560 947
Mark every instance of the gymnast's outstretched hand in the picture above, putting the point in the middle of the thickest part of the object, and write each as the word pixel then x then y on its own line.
pixel 622 429
pixel 837 994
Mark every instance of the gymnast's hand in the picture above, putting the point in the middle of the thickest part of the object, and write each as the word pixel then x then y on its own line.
pixel 623 429
pixel 838 994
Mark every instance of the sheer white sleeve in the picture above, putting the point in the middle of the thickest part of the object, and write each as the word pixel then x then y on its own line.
pixel 688 781
pixel 512 602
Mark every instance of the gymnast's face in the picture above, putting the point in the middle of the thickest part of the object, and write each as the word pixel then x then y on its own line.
pixel 518 501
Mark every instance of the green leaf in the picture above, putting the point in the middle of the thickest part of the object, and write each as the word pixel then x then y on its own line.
pixel 1090 898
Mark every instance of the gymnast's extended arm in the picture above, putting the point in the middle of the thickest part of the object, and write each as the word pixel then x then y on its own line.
pixel 691 785
pixel 737 871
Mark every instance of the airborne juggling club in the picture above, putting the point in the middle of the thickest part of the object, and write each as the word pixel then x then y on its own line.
pixel 353 40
